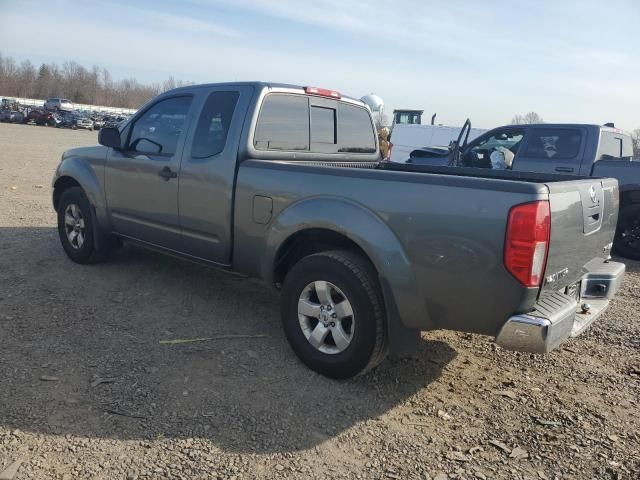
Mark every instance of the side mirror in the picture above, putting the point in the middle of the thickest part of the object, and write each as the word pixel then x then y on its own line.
pixel 109 137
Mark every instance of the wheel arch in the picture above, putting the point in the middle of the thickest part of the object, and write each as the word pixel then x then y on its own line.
pixel 308 241
pixel 60 186
pixel 328 223
pixel 76 170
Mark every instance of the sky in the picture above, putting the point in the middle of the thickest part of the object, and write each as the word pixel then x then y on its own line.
pixel 569 60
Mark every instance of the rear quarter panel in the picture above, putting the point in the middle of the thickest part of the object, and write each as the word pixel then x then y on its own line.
pixel 447 232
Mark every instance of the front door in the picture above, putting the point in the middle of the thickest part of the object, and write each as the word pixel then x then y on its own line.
pixel 142 179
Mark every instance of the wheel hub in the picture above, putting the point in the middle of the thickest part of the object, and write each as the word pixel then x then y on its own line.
pixel 74 226
pixel 326 317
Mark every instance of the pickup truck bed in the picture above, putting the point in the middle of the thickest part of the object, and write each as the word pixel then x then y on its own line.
pixel 444 231
pixel 574 149
pixel 365 255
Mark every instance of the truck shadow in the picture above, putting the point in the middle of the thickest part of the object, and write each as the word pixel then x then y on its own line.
pixel 81 354
pixel 632 265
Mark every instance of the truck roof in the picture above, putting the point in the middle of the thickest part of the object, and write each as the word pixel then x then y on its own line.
pixel 260 84
pixel 565 125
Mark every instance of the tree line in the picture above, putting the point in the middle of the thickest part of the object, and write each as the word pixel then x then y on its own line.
pixel 93 86
pixel 528 118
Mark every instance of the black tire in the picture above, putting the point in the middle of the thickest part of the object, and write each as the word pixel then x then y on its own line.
pixel 627 239
pixel 357 280
pixel 86 252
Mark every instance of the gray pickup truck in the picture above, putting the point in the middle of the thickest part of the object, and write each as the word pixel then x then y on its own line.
pixel 283 183
pixel 573 149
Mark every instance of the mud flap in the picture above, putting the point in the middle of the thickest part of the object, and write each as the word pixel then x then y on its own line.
pixel 98 240
pixel 403 342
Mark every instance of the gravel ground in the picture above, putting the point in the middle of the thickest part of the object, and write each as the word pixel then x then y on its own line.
pixel 88 391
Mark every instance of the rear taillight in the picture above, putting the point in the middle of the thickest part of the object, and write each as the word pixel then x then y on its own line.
pixel 527 242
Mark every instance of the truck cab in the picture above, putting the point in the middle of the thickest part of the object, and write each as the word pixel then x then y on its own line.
pixel 407 117
pixel 550 148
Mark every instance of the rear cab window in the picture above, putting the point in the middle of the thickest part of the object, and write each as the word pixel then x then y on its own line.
pixel 306 123
pixel 356 132
pixel 553 144
pixel 283 123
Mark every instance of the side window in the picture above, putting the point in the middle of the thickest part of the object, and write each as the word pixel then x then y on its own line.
pixel 213 126
pixel 614 146
pixel 553 143
pixel 355 130
pixel 157 131
pixel 283 123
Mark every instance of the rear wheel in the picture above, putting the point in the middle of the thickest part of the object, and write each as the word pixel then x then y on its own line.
pixel 333 313
pixel 75 228
pixel 627 239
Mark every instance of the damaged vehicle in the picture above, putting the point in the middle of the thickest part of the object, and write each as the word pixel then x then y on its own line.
pixel 284 183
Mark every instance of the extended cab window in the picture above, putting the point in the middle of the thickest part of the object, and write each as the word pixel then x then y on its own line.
pixel 553 143
pixel 323 125
pixel 283 123
pixel 157 131
pixel 355 130
pixel 213 126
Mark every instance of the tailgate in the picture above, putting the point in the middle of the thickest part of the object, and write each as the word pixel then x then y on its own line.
pixel 583 222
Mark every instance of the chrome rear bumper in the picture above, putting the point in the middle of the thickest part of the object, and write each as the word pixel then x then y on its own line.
pixel 557 316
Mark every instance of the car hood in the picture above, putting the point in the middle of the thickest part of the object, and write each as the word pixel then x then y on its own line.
pixel 431 152
pixel 96 151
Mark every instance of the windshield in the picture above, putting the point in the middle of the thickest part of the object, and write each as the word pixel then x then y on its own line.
pixel 505 142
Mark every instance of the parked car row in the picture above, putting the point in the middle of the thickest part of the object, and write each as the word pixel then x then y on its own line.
pixel 12 116
pixel 61 118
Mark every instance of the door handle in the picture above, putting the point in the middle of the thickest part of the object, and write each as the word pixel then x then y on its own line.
pixel 167 173
pixel 564 169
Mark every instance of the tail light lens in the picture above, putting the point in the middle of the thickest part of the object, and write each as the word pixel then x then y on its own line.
pixel 323 92
pixel 527 242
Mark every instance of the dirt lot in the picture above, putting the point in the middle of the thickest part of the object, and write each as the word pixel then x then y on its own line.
pixel 88 391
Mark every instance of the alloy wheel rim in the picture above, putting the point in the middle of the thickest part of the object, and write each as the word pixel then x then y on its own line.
pixel 631 233
pixel 74 226
pixel 326 317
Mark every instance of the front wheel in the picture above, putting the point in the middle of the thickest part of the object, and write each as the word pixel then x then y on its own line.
pixel 627 239
pixel 75 228
pixel 333 314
